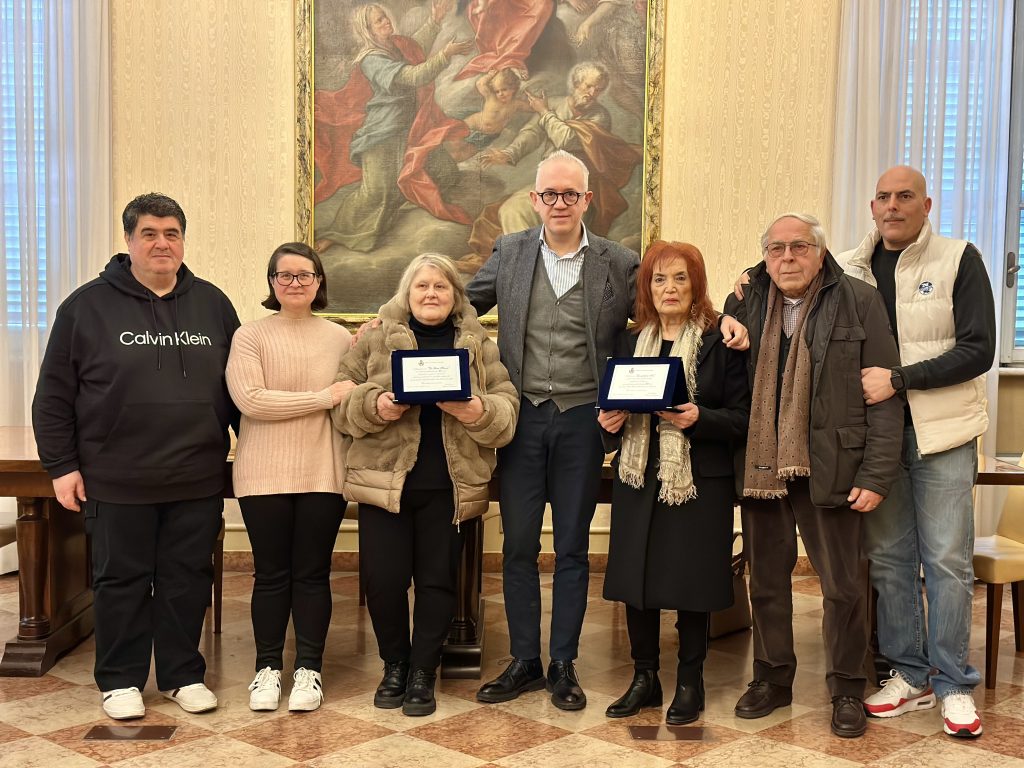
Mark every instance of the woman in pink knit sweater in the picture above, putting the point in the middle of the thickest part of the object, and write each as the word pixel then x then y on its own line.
pixel 289 470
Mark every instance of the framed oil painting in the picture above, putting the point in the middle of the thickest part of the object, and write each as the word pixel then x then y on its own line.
pixel 421 123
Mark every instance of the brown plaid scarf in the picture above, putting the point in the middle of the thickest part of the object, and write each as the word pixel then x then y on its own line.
pixel 777 455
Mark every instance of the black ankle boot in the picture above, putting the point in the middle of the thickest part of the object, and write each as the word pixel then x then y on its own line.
pixel 688 702
pixel 419 696
pixel 644 691
pixel 391 691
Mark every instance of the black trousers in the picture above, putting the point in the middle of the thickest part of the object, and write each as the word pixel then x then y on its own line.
pixel 152 573
pixel 644 627
pixel 292 537
pixel 554 457
pixel 832 538
pixel 420 545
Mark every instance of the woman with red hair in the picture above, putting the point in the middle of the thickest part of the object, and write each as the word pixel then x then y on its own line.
pixel 673 491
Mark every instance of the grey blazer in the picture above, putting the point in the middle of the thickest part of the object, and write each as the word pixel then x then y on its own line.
pixel 609 284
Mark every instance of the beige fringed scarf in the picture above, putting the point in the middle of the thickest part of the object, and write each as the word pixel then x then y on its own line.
pixel 674 469
pixel 775 456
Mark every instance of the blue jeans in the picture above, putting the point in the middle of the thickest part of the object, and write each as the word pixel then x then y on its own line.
pixel 927 520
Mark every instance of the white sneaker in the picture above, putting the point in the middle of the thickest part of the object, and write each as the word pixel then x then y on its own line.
pixel 307 693
pixel 123 703
pixel 193 698
pixel 898 697
pixel 960 717
pixel 266 690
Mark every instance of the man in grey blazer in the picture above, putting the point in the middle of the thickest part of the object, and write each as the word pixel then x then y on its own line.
pixel 563 295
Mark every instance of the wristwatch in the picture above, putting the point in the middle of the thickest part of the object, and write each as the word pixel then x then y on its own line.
pixel 896 379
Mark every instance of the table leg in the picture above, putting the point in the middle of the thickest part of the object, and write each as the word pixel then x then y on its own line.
pixel 460 657
pixel 32 525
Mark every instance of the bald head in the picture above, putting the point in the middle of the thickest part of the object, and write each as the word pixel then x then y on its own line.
pixel 900 206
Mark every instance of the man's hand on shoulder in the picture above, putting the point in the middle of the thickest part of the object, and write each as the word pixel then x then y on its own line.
pixel 70 490
pixel 741 281
pixel 367 326
pixel 734 333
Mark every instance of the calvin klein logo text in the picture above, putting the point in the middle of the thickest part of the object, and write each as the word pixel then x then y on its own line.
pixel 181 338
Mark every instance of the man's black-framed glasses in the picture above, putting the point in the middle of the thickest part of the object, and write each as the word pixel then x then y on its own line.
pixel 569 197
pixel 285 279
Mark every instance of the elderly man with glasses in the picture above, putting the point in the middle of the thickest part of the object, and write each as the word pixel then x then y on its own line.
pixel 818 458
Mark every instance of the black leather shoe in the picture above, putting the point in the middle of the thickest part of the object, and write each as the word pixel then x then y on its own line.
pixel 848 719
pixel 564 686
pixel 391 691
pixel 762 698
pixel 519 677
pixel 686 705
pixel 644 691
pixel 419 696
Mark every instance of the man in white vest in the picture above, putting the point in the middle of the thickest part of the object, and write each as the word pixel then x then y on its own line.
pixel 940 306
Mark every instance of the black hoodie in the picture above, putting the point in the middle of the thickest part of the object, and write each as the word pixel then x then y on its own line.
pixel 131 391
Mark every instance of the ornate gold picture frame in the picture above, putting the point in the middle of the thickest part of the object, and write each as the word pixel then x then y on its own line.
pixel 458 215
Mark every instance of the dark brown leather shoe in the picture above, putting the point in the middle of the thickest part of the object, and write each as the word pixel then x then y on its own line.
pixel 519 677
pixel 848 718
pixel 564 686
pixel 644 691
pixel 762 698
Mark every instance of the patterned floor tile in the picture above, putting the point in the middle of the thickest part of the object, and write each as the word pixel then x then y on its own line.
pixel 206 753
pixel 399 750
pixel 946 751
pixel 309 735
pixel 765 753
pixel 617 732
pixel 35 752
pixel 812 731
pixel 579 751
pixel 114 751
pixel 488 733
pixel 14 688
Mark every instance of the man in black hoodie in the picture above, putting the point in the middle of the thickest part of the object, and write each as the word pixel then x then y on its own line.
pixel 130 415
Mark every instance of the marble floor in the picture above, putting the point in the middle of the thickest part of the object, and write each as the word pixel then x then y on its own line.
pixel 43 721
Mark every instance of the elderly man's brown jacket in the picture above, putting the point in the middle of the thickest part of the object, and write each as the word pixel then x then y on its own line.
pixel 851 444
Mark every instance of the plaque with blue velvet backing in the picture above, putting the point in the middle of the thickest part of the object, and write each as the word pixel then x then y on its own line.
pixel 642 384
pixel 430 375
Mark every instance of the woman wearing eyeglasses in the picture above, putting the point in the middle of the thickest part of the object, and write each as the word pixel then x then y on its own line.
pixel 672 494
pixel 288 470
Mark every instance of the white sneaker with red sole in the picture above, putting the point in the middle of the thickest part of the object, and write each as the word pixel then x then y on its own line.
pixel 898 697
pixel 960 717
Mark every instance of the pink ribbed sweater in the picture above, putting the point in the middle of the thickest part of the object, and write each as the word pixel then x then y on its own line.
pixel 279 373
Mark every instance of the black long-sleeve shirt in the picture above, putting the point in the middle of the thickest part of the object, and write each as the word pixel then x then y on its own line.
pixel 974 320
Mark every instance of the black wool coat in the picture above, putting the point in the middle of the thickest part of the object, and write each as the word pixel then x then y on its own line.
pixel 678 557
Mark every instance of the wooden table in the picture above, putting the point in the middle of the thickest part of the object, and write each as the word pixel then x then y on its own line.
pixel 54 594
pixel 55 598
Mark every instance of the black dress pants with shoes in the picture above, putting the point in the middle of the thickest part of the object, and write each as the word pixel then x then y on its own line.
pixel 152 572
pixel 420 545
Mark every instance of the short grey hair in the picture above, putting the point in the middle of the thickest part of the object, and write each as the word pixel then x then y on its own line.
pixel 442 264
pixel 560 155
pixel 817 231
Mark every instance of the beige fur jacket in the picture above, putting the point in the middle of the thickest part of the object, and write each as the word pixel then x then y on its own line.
pixel 382 453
